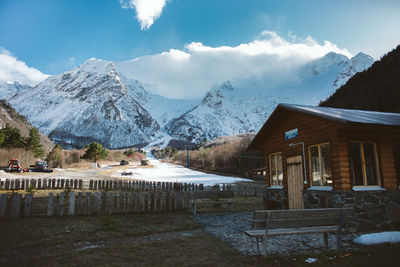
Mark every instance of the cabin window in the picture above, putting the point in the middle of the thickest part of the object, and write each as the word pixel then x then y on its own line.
pixel 363 163
pixel 320 164
pixel 276 170
pixel 396 151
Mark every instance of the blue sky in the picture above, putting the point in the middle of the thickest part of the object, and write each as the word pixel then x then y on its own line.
pixel 55 35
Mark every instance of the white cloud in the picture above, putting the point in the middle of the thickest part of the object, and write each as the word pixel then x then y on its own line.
pixel 12 69
pixel 147 11
pixel 189 73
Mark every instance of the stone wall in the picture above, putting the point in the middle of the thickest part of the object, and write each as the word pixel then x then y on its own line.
pixel 373 210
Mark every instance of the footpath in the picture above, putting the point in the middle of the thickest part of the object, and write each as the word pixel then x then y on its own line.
pixel 230 227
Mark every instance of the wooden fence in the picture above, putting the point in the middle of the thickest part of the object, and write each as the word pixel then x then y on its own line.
pixel 22 184
pixel 88 203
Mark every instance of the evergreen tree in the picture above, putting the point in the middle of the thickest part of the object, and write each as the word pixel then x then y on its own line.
pixel 33 143
pixel 129 153
pixel 12 137
pixel 55 157
pixel 95 152
pixel 2 137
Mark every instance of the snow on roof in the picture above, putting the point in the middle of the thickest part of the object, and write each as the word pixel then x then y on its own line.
pixel 347 115
pixel 334 114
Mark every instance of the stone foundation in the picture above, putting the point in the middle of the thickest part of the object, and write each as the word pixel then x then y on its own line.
pixel 373 210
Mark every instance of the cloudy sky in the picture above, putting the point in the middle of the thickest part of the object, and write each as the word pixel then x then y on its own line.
pixel 48 37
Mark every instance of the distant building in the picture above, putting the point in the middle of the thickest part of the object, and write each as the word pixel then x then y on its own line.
pixel 320 157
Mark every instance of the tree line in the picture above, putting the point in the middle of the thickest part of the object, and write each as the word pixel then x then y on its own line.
pixel 377 88
pixel 10 137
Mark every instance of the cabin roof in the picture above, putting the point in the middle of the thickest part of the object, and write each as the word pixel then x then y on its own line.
pixel 347 115
pixel 333 114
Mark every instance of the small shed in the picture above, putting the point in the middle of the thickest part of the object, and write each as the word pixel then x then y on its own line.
pixel 312 149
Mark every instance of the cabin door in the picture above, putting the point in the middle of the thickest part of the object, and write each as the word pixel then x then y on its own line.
pixel 295 182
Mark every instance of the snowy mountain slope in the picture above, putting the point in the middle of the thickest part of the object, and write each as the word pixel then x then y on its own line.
pixel 86 104
pixel 228 110
pixel 9 88
pixel 161 109
pixel 224 110
pixel 95 102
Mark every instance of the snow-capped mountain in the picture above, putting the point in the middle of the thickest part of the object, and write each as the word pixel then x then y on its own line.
pixel 228 110
pixel 95 102
pixel 9 88
pixel 224 110
pixel 86 104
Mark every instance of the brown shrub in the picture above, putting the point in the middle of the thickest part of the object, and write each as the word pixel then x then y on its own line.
pixel 25 157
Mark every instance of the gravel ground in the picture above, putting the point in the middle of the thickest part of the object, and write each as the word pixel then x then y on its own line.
pixel 230 227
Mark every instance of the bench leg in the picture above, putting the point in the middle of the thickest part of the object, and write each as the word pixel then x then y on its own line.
pixel 265 245
pixel 258 247
pixel 326 240
pixel 194 208
pixel 339 241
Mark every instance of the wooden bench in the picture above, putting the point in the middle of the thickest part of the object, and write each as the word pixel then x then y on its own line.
pixel 214 197
pixel 305 221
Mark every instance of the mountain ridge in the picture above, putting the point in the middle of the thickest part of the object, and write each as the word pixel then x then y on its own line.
pixel 96 102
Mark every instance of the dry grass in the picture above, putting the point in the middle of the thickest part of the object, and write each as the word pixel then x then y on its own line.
pixel 221 155
pixel 147 240
pixel 25 157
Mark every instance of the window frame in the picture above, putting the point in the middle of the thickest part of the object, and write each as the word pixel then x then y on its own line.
pixel 397 162
pixel 318 145
pixel 364 168
pixel 276 167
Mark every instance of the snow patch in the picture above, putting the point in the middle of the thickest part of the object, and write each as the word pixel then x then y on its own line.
pixel 378 238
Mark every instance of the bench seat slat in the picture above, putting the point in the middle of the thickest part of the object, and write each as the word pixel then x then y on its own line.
pixel 291 222
pixel 287 231
pixel 285 214
pixel 214 202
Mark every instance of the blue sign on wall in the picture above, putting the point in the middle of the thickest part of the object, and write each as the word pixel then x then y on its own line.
pixel 291 134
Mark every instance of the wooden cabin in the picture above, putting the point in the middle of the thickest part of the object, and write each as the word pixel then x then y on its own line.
pixel 329 149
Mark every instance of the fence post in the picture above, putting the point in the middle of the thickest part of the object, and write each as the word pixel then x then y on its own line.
pixel 61 205
pixel 146 202
pixel 67 183
pixel 103 202
pixel 91 185
pixel 126 206
pixel 96 202
pixel 121 199
pixel 186 201
pixel 15 210
pixel 50 205
pixel 138 202
pixel 28 205
pixel 80 184
pixel 79 206
pixel 173 201
pixel 62 183
pixel 17 184
pixel 3 204
pixel 7 185
pixel 167 201
pixel 110 208
pixel 152 201
pixel 133 201
pixel 39 183
pixel 71 203
pixel 179 200
pixel 158 201
pixel 88 203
